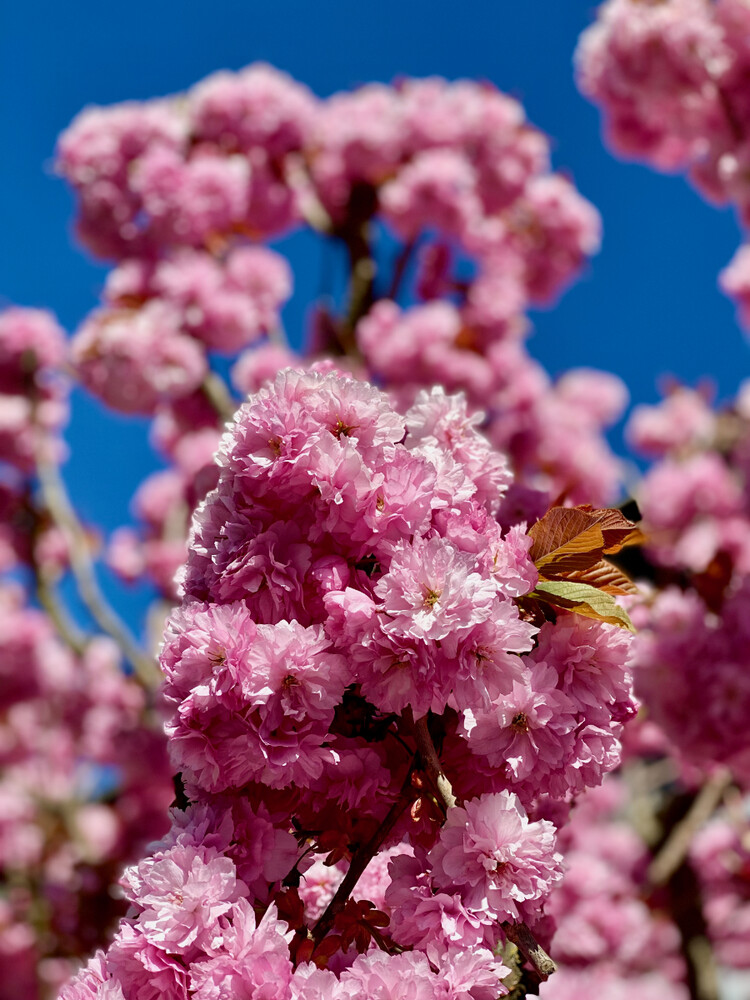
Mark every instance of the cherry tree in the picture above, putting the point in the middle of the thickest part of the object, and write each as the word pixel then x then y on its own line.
pixel 395 608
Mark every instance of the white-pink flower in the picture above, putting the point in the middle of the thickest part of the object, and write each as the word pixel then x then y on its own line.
pixel 499 861
pixel 432 589
pixel 182 894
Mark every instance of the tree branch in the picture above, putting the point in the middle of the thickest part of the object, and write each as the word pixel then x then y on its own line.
pixel 362 857
pixel 676 847
pixel 361 284
pixel 66 628
pixel 532 951
pixel 432 764
pixel 217 393
pixel 679 818
pixel 60 508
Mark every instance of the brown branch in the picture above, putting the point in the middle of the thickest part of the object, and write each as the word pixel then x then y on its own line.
pixel 521 936
pixel 684 896
pixel 362 857
pixel 432 764
pixel 686 907
pixel 675 849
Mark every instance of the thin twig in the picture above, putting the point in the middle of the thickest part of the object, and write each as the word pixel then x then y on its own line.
pixel 675 849
pixel 361 285
pixel 309 204
pixel 399 268
pixel 735 126
pixel 532 951
pixel 432 764
pixel 62 512
pixel 66 628
pixel 217 393
pixel 277 336
pixel 362 857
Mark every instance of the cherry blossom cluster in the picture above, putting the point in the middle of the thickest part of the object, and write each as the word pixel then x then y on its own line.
pixel 249 152
pixel 148 343
pixel 187 436
pixel 441 195
pixel 721 854
pixel 687 756
pixel 33 408
pixel 621 929
pixel 447 178
pixel 614 937
pixel 370 735
pixel 179 194
pixel 84 776
pixel 378 728
pixel 695 501
pixel 671 78
pixel 33 396
pixel 84 785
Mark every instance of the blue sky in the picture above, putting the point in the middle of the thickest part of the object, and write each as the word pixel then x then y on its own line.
pixel 648 304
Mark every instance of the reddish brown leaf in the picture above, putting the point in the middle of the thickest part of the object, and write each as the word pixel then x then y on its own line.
pixel 604 576
pixel 618 531
pixel 712 583
pixel 572 539
pixel 290 907
pixel 327 947
pixel 302 949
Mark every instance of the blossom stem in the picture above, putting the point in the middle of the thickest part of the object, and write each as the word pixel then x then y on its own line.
pixel 432 764
pixel 521 936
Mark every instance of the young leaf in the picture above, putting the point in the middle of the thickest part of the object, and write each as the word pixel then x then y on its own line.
pixel 571 539
pixel 565 532
pixel 570 543
pixel 582 599
pixel 618 531
pixel 605 576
